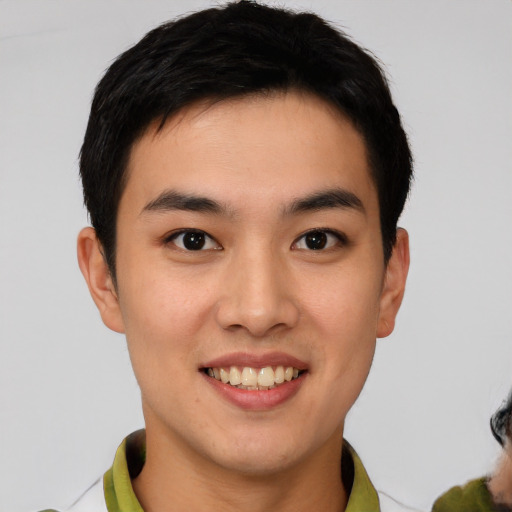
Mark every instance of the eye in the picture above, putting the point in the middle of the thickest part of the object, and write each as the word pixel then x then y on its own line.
pixel 193 240
pixel 319 239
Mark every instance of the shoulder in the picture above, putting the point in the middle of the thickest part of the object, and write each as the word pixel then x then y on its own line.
pixel 474 495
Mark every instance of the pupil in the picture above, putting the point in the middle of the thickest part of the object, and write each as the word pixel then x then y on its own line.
pixel 193 241
pixel 316 240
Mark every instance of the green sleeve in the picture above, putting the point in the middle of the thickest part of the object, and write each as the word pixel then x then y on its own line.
pixel 472 497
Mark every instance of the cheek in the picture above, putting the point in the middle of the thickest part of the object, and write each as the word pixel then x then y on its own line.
pixel 161 301
pixel 344 314
pixel 163 319
pixel 347 323
pixel 345 304
pixel 161 332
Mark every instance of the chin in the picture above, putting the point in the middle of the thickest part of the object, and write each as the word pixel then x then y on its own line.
pixel 259 456
pixel 259 464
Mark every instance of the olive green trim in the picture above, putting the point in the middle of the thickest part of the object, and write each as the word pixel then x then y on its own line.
pixel 363 496
pixel 117 485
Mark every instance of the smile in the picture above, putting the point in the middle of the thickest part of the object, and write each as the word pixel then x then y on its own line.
pixel 254 379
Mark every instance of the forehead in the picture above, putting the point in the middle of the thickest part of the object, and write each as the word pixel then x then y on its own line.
pixel 266 148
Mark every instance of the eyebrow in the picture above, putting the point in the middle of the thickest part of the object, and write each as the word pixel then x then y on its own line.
pixel 171 200
pixel 326 199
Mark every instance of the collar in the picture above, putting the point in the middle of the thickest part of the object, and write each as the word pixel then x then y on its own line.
pixel 131 454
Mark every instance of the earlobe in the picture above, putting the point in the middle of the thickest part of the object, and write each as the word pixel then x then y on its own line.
pixel 98 278
pixel 394 284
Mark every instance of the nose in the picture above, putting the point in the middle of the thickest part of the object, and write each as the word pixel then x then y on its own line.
pixel 257 295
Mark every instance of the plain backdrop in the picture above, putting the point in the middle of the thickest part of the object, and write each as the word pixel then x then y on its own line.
pixel 67 394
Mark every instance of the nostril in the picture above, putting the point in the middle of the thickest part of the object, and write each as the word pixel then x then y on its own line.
pixel 255 312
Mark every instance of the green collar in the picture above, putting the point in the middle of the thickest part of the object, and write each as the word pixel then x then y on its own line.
pixel 131 455
pixel 117 481
pixel 363 495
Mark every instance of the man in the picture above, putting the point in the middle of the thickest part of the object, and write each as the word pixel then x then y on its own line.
pixel 244 169
pixel 487 494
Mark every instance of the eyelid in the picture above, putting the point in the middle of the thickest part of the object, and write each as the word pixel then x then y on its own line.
pixel 171 237
pixel 342 239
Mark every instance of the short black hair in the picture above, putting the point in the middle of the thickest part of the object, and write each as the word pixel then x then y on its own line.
pixel 238 49
pixel 501 422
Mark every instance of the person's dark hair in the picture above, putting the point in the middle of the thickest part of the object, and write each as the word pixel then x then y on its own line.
pixel 239 49
pixel 501 422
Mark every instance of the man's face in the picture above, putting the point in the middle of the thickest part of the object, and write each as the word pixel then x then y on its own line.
pixel 248 237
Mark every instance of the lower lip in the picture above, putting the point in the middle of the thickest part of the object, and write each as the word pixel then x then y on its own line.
pixel 257 400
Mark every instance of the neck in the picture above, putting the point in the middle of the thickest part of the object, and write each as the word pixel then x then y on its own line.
pixel 176 479
pixel 500 484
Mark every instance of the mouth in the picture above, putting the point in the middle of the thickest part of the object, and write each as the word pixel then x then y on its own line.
pixel 256 382
pixel 254 378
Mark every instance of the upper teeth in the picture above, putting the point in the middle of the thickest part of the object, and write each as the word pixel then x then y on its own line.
pixel 254 378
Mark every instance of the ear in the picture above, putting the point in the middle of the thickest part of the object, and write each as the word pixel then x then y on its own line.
pixel 99 280
pixel 394 284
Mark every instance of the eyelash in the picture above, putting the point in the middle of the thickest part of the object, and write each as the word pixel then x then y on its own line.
pixel 341 239
pixel 173 236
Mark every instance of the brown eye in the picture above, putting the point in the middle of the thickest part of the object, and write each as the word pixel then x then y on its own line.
pixel 193 241
pixel 318 240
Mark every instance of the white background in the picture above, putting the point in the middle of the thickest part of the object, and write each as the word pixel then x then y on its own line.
pixel 67 396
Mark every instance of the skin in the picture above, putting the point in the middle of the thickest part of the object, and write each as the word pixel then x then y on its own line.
pixel 500 484
pixel 256 288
